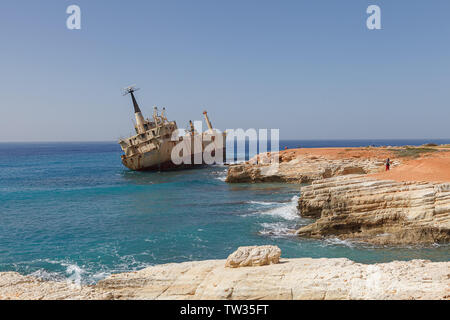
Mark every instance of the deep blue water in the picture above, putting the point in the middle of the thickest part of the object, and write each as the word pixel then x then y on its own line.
pixel 73 210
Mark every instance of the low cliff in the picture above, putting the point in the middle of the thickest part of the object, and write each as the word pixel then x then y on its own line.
pixel 377 211
pixel 289 279
pixel 353 197
pixel 302 169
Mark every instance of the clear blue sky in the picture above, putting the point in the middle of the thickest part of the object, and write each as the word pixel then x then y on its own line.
pixel 310 68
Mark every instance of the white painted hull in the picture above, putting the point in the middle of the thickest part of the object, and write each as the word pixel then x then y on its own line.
pixel 161 159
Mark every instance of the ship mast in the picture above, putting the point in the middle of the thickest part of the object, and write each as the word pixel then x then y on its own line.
pixel 208 123
pixel 137 111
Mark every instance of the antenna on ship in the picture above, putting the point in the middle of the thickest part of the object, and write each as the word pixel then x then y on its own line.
pixel 137 111
pixel 130 90
pixel 155 115
pixel 192 129
pixel 163 114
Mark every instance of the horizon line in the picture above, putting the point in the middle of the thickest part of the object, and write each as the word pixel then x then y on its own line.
pixel 314 139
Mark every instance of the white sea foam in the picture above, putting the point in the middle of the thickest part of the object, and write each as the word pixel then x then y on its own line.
pixel 222 175
pixel 276 229
pixel 263 203
pixel 74 273
pixel 337 241
pixel 221 178
pixel 130 262
pixel 288 211
pixel 239 161
pixel 100 276
pixel 47 275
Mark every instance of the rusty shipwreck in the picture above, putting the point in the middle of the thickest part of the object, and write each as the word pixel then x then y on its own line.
pixel 158 144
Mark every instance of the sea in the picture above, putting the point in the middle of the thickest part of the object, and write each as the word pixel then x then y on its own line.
pixel 72 211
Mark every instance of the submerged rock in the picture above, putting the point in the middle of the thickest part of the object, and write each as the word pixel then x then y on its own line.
pixel 253 256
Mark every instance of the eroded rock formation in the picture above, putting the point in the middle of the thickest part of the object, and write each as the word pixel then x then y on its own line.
pixel 253 256
pixel 301 169
pixel 377 211
pixel 304 278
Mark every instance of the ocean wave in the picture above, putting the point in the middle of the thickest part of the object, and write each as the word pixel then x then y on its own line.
pixel 277 229
pixel 221 178
pixel 220 175
pixel 75 273
pixel 47 275
pixel 263 203
pixel 237 161
pixel 91 273
pixel 287 212
pixel 129 263
pixel 340 242
pixel 68 271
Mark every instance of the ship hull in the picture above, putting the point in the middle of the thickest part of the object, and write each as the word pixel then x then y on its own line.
pixel 161 159
pixel 168 166
pixel 137 164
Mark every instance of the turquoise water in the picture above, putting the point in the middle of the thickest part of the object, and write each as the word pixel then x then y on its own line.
pixel 72 210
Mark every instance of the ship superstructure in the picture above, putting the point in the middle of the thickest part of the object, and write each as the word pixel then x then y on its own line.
pixel 151 148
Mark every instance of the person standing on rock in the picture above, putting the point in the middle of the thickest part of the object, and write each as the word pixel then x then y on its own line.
pixel 388 164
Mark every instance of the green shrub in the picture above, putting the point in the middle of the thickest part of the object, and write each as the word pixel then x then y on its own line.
pixel 411 152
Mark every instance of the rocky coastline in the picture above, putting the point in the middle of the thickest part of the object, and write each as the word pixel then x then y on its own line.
pixel 348 195
pixel 301 169
pixel 377 211
pixel 248 274
pixel 351 197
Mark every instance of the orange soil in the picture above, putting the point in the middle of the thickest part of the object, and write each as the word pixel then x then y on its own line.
pixel 430 167
pixel 339 153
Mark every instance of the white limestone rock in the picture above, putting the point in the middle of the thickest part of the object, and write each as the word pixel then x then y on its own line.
pixel 253 256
